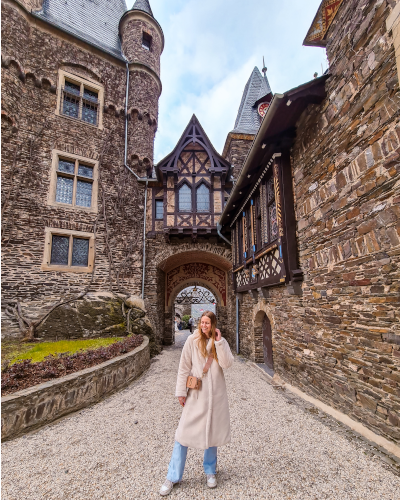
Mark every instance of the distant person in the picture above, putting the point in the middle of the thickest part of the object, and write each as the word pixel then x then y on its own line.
pixel 191 324
pixel 204 423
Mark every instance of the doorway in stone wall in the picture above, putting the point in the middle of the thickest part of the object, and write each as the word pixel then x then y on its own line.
pixel 263 352
pixel 267 342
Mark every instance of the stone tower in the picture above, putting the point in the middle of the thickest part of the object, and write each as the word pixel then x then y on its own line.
pixel 142 44
pixel 256 97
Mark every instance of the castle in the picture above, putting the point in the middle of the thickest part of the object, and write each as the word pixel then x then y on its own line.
pixel 294 227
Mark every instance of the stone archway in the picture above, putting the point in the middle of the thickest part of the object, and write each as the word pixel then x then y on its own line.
pixel 261 312
pixel 191 273
pixel 172 298
pixel 174 267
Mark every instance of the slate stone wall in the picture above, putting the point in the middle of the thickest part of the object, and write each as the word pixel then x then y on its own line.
pixel 132 35
pixel 236 150
pixel 32 55
pixel 340 340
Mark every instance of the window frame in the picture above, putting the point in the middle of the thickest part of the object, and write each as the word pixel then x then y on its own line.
pixel 58 155
pixel 146 37
pixel 268 205
pixel 191 199
pixel 158 200
pixel 202 183
pixel 46 263
pixel 82 82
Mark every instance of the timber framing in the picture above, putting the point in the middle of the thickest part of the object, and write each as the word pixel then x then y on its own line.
pixel 260 211
pixel 193 163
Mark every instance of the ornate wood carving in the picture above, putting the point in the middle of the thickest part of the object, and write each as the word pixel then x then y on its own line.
pixel 268 237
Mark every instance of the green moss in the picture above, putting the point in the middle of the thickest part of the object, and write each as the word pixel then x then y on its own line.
pixel 40 351
pixel 10 349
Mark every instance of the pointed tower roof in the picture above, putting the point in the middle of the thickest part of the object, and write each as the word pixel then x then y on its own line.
pixel 248 120
pixel 143 5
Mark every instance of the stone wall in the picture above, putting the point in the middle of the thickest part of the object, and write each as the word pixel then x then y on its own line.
pixel 340 340
pixel 32 55
pixel 36 406
pixel 236 149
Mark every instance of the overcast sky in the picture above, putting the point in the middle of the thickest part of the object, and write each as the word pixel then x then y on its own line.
pixel 211 48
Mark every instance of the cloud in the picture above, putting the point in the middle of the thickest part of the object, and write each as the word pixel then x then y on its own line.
pixel 212 46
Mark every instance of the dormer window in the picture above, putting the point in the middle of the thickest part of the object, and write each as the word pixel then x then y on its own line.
pixel 146 41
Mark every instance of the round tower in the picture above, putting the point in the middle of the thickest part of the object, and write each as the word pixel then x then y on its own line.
pixel 142 44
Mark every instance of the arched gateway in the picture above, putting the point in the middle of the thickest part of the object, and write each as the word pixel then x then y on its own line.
pixel 183 247
pixel 190 264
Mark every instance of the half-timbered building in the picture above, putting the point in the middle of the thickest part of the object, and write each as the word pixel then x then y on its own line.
pixel 260 212
pixel 196 180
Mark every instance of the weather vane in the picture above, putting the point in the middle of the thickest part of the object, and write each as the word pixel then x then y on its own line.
pixel 264 70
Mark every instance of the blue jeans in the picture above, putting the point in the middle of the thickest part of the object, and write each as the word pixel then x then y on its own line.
pixel 178 459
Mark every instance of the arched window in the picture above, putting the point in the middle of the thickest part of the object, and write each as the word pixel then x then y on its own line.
pixel 203 198
pixel 185 199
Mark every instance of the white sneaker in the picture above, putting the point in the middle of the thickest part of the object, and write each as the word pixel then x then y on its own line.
pixel 211 480
pixel 166 488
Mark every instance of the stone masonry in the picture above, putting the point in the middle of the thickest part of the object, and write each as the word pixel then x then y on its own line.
pixel 33 54
pixel 340 340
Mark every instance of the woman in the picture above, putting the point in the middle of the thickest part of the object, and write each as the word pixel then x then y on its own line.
pixel 204 423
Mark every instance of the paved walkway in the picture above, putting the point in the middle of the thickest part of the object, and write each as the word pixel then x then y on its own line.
pixel 281 449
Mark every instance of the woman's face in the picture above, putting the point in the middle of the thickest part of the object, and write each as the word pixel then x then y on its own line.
pixel 205 325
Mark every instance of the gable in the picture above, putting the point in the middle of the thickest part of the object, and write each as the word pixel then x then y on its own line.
pixel 322 21
pixel 194 154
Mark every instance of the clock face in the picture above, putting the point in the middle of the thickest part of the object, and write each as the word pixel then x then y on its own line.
pixel 262 108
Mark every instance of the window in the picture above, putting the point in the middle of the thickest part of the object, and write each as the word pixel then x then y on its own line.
pixel 80 102
pixel 61 254
pixel 185 199
pixel 70 251
pixel 203 198
pixel 80 99
pixel 146 41
pixel 159 209
pixel 74 182
pixel 271 230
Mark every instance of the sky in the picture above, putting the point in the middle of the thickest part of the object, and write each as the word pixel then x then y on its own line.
pixel 211 48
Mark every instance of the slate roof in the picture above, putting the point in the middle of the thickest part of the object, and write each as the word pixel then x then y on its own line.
pixel 95 21
pixel 248 120
pixel 143 5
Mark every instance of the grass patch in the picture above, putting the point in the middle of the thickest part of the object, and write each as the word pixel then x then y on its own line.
pixel 10 349
pixel 38 352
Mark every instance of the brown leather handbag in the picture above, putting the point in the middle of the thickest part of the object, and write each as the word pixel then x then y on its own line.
pixel 194 382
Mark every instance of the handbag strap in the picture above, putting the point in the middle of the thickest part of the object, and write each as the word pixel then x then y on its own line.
pixel 208 364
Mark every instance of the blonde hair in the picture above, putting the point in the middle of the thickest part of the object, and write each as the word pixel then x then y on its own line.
pixel 203 339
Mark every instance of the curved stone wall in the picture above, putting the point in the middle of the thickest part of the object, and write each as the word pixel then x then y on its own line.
pixel 41 404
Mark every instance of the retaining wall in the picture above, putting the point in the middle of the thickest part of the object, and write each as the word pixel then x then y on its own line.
pixel 36 406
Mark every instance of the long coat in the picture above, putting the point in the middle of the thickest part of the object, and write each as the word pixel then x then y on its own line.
pixel 205 416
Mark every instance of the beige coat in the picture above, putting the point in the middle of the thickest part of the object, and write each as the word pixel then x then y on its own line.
pixel 205 416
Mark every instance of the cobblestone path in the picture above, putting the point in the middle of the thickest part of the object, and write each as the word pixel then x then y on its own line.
pixel 281 449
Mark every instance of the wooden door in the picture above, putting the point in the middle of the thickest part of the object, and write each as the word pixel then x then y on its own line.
pixel 267 342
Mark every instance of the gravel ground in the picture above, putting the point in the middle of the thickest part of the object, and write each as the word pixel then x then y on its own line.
pixel 278 451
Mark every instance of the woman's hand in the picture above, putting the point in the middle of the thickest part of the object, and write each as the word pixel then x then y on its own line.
pixel 218 335
pixel 182 400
